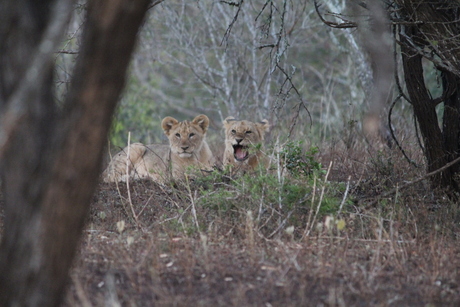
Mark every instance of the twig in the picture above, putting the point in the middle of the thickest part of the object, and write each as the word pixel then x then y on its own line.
pixel 300 104
pixel 128 160
pixel 395 62
pixel 235 18
pixel 280 226
pixel 393 134
pixel 392 191
pixel 344 196
pixel 344 25
pixel 192 200
pixel 154 3
pixel 112 170
pixel 67 52
pixel 146 203
pixel 320 200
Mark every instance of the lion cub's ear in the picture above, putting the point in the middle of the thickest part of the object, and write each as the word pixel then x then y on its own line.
pixel 202 121
pixel 167 123
pixel 228 121
pixel 263 126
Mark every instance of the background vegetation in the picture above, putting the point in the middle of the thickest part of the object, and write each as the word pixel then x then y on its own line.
pixel 186 65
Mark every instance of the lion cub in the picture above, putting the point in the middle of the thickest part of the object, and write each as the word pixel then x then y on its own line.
pixel 244 144
pixel 187 147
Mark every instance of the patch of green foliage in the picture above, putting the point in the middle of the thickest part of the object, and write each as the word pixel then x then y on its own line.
pixel 298 162
pixel 138 114
pixel 273 199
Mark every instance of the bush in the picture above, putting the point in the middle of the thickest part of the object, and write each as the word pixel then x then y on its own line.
pixel 297 162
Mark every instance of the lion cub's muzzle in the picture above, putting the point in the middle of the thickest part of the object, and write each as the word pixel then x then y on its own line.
pixel 185 153
pixel 240 152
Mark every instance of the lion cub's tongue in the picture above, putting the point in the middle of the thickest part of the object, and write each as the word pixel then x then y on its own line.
pixel 240 153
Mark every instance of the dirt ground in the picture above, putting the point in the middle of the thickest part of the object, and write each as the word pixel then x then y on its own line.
pixel 176 245
pixel 143 248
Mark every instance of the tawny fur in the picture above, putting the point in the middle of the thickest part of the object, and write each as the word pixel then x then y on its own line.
pixel 187 148
pixel 244 143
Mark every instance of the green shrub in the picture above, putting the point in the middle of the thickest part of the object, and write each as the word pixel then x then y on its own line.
pixel 271 199
pixel 298 162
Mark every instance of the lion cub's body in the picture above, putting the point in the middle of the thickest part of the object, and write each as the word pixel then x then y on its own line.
pixel 187 148
pixel 244 144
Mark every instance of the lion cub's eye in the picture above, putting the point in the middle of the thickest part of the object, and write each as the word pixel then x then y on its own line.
pixel 178 135
pixel 233 131
pixel 191 135
pixel 248 132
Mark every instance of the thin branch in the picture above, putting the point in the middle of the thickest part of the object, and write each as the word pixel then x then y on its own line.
pixel 344 25
pixel 66 52
pixel 280 35
pixel 235 18
pixel 128 161
pixel 230 3
pixel 393 135
pixel 344 196
pixel 393 191
pixel 267 46
pixel 154 3
pixel 263 9
pixel 398 82
pixel 293 87
pixel 427 55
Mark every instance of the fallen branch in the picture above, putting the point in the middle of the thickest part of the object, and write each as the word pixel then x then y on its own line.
pixel 407 184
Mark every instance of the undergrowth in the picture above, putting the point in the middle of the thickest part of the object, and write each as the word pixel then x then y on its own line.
pixel 294 192
pixel 297 234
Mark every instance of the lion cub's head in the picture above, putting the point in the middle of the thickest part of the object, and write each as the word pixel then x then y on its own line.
pixel 186 138
pixel 242 138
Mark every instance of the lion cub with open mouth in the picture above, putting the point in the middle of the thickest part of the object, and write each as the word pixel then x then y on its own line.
pixel 187 148
pixel 244 144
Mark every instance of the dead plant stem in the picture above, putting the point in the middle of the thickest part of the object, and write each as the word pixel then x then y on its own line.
pixel 128 160
pixel 344 196
pixel 320 200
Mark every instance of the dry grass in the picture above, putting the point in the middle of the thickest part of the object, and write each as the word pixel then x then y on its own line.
pixel 404 252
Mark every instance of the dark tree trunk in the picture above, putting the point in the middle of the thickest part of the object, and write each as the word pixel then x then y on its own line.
pixel 434 24
pixel 424 109
pixel 51 162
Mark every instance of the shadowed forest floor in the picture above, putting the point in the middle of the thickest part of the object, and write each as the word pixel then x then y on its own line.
pixel 215 243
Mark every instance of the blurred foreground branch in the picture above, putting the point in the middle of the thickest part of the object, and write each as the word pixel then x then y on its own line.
pixel 51 155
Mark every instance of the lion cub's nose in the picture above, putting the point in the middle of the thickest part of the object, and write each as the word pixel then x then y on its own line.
pixel 238 140
pixel 185 148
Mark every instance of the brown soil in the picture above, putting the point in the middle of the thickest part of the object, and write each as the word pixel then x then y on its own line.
pixel 159 259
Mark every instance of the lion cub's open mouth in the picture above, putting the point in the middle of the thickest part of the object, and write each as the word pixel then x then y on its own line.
pixel 240 153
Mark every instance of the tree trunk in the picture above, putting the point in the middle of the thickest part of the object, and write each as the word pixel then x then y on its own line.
pixel 51 162
pixel 424 109
pixel 434 24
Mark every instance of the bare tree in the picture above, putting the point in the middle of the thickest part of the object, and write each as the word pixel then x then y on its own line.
pixel 51 155
pixel 232 74
pixel 187 57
